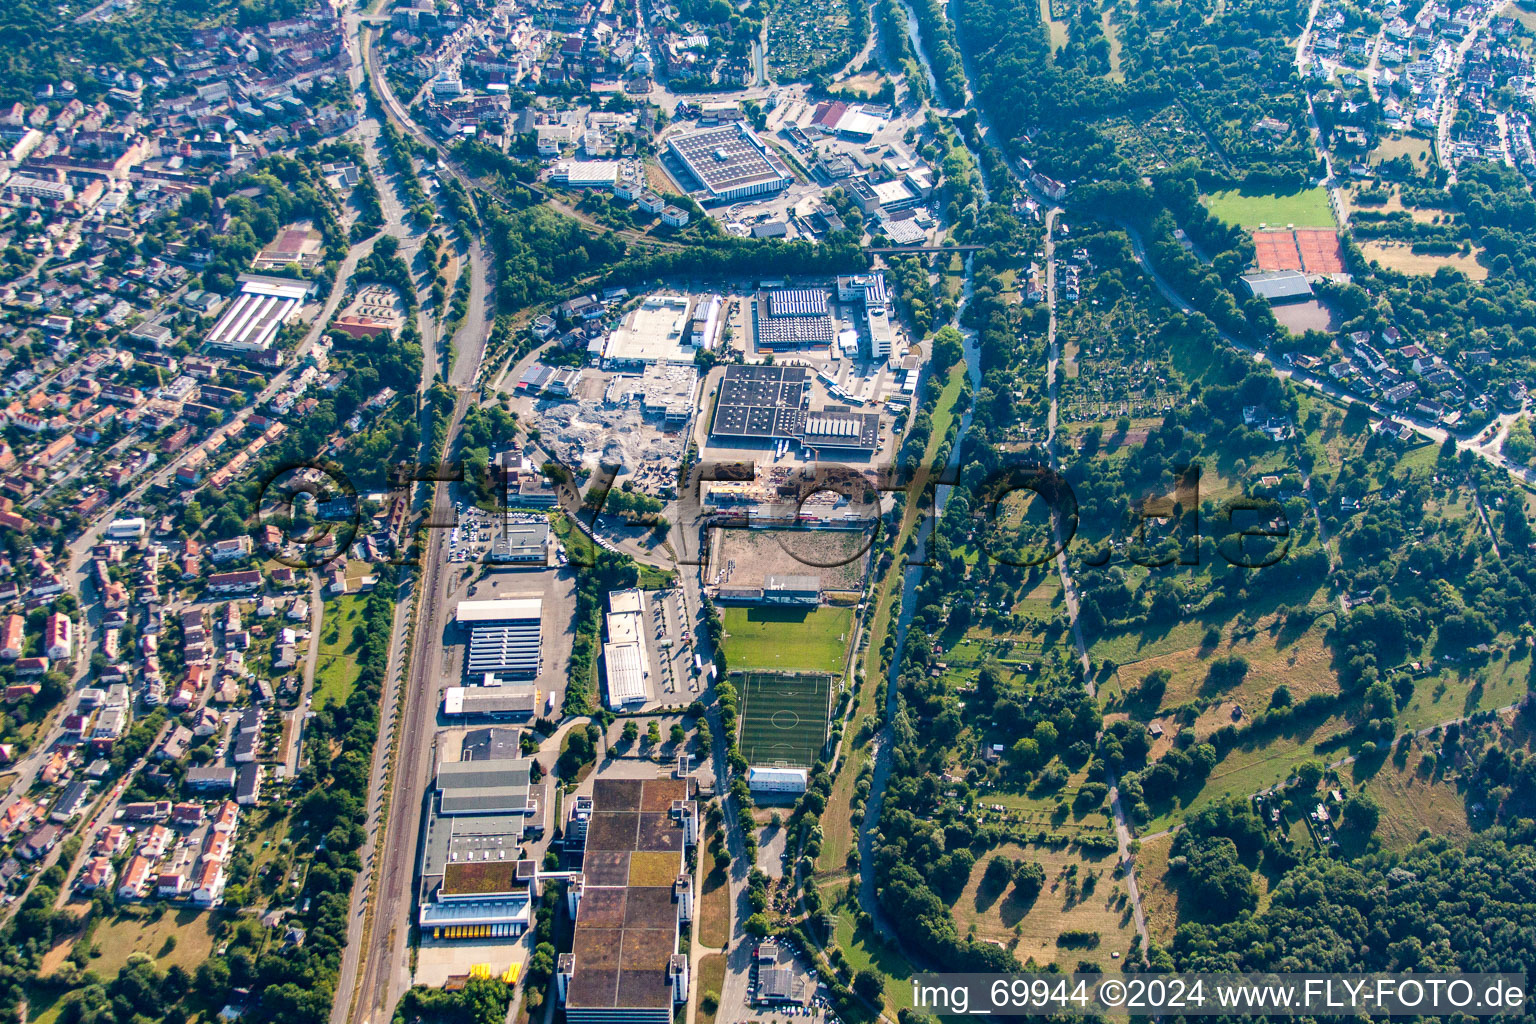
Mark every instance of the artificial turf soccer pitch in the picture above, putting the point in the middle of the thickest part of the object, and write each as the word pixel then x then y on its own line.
pixel 783 717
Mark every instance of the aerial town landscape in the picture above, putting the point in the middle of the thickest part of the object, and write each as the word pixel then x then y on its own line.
pixel 536 510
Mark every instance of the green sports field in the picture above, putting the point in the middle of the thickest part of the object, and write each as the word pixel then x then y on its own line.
pixel 1305 209
pixel 787 639
pixel 783 716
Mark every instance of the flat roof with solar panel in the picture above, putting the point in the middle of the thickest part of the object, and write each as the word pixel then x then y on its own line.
pixel 792 318
pixel 730 162
pixel 504 635
pixel 797 302
pixel 759 405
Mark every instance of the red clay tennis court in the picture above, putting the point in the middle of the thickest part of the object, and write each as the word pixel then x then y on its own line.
pixel 1320 253
pixel 1276 250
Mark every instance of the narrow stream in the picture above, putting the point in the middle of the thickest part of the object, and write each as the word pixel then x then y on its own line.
pixel 915 36
pixel 917 47
pixel 914 574
pixel 913 577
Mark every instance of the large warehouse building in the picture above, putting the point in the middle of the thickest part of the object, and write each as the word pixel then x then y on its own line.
pixel 625 658
pixel 792 318
pixel 631 901
pixel 472 883
pixel 730 163
pixel 252 321
pixel 504 635
pixel 763 405
pixel 660 330
pixel 490 703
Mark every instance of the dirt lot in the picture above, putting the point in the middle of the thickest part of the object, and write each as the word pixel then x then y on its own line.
pixel 744 558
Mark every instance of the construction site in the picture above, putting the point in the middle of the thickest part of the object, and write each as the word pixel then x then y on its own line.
pixel 742 560
pixel 638 422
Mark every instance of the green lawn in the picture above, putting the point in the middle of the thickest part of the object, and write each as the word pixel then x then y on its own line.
pixel 336 668
pixel 788 639
pixel 1305 209
pixel 864 950
pixel 944 411
pixel 45 1004
pixel 1248 768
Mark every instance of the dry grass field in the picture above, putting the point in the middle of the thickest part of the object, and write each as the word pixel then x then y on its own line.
pixel 711 979
pixel 837 825
pixel 1394 203
pixel 1159 902
pixel 1301 661
pixel 715 911
pixel 173 937
pixel 1416 149
pixel 1160 897
pixel 1112 33
pixel 1398 256
pixel 1062 906
pixel 1411 803
pixel 1058 29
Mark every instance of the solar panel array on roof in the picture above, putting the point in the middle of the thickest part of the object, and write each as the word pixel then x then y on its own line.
pixel 508 647
pixel 767 403
pixel 252 321
pixel 830 426
pixel 858 430
pixel 778 332
pixel 797 302
pixel 730 162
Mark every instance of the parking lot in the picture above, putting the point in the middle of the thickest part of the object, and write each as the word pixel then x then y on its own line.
pixel 678 675
pixel 809 994
pixel 470 540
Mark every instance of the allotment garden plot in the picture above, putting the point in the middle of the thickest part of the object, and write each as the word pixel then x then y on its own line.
pixel 783 716
pixel 1157 139
pixel 804 34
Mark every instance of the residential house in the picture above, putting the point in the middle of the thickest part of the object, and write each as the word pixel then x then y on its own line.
pixel 135 877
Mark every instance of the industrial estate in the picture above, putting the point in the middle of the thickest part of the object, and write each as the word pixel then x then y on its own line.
pixel 705 513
